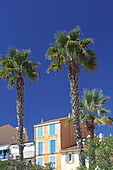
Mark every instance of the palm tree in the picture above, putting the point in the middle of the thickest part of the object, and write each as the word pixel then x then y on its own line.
pixel 14 67
pixel 93 111
pixel 68 49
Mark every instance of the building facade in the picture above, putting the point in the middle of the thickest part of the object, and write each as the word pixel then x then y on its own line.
pixel 28 152
pixel 51 137
pixel 70 158
pixel 9 134
pixel 12 151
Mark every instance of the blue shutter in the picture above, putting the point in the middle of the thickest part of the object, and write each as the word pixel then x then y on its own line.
pixel 52 129
pixel 40 131
pixel 40 148
pixel 40 161
pixel 1 156
pixel 52 160
pixel 36 148
pixel 66 157
pixel 52 146
pixel 72 157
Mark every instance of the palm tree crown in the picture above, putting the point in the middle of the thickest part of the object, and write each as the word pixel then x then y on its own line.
pixel 92 108
pixel 16 63
pixel 70 47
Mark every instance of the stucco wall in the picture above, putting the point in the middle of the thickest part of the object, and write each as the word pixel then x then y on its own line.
pixel 27 152
pixel 46 139
pixel 9 135
pixel 70 166
pixel 68 136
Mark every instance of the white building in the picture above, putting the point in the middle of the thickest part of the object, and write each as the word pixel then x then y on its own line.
pixel 70 159
pixel 28 152
pixel 12 151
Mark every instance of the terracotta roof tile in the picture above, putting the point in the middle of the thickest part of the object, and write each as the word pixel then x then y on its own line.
pixel 53 120
pixel 72 147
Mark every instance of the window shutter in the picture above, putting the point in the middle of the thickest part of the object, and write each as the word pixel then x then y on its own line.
pixel 40 148
pixel 40 131
pixel 66 157
pixel 55 146
pixel 36 148
pixel 72 157
pixel 36 132
pixel 53 161
pixel 49 146
pixel 52 146
pixel 40 161
pixel 52 129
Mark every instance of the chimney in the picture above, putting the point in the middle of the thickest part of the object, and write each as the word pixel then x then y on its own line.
pixel 69 115
pixel 42 120
pixel 101 136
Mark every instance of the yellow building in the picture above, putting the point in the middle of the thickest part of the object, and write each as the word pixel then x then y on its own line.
pixel 51 137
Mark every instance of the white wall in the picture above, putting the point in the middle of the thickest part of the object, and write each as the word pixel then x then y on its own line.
pixel 70 166
pixel 28 152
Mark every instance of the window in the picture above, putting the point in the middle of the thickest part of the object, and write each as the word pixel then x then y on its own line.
pixel 52 146
pixel 40 131
pixel 40 161
pixel 52 159
pixel 52 129
pixel 69 157
pixel 1 156
pixel 40 147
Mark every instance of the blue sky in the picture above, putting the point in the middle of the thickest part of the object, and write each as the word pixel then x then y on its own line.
pixel 31 24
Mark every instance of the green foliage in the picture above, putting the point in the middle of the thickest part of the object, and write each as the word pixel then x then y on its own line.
pixel 16 62
pixel 17 165
pixel 103 158
pixel 69 46
pixel 92 107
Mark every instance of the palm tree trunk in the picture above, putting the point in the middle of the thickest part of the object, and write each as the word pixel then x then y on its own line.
pixel 74 94
pixel 20 112
pixel 90 128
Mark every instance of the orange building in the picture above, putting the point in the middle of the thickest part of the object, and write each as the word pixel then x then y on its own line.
pixel 52 136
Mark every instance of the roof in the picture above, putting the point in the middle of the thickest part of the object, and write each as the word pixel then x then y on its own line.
pixel 71 148
pixel 53 120
pixel 6 125
pixel 24 142
pixel 68 148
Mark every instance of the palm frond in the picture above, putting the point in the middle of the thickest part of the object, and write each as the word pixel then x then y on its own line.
pixel 86 41
pixel 107 120
pixel 11 82
pixel 104 100
pixel 61 38
pixel 103 111
pixel 56 66
pixel 75 33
